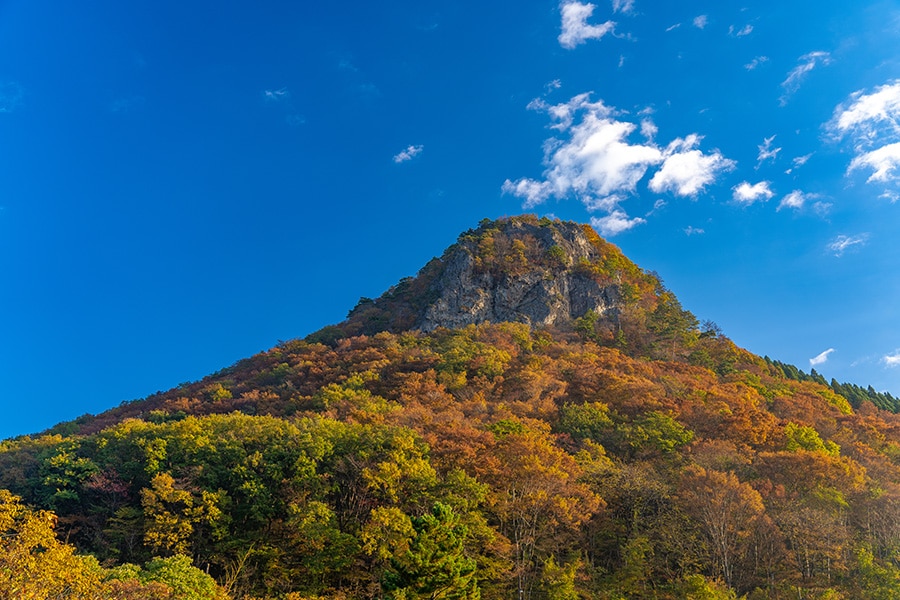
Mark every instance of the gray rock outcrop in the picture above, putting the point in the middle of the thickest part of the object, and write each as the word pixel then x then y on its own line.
pixel 466 294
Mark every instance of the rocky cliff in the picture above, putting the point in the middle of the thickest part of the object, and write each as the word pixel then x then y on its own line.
pixel 508 288
pixel 522 269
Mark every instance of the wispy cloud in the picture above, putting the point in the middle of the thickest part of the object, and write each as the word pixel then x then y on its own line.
pixel 575 28
pixel 594 160
pixel 745 30
pixel 766 151
pixel 408 154
pixel 700 21
pixel 673 27
pixel 615 223
pixel 892 360
pixel 756 62
pixel 795 200
pixel 276 95
pixel 872 122
pixel 820 359
pixel 11 96
pixel 842 243
pixel 623 6
pixel 798 162
pixel 748 194
pixel 691 230
pixel 806 63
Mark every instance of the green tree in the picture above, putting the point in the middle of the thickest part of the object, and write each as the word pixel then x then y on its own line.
pixel 434 565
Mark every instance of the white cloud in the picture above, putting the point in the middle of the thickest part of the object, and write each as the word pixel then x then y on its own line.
pixel 614 223
pixel 649 129
pixel 745 30
pixel 691 230
pixel 748 194
pixel 575 28
pixel 892 360
pixel 623 6
pixel 796 200
pixel 408 154
pixel 533 192
pixel 597 160
pixel 842 243
pixel 872 122
pixel 552 85
pixel 701 21
pixel 821 358
pixel 276 95
pixel 673 27
pixel 867 115
pixel 883 161
pixel 766 151
pixel 807 63
pixel 594 160
pixel 686 170
pixel 753 64
pixel 890 195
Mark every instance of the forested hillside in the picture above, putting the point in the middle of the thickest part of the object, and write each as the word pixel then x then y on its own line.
pixel 625 452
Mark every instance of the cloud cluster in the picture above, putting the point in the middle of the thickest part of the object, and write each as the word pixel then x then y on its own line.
pixel 872 122
pixel 594 160
pixel 575 28
pixel 408 154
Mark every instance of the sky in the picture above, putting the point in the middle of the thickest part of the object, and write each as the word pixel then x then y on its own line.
pixel 184 184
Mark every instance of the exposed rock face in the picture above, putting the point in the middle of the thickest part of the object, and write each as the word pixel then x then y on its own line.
pixel 468 294
pixel 522 269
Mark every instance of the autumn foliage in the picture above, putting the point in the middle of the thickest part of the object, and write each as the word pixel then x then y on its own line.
pixel 643 457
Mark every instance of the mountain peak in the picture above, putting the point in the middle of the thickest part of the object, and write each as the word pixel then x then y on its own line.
pixel 522 269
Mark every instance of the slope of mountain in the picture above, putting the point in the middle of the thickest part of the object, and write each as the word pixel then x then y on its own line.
pixel 532 416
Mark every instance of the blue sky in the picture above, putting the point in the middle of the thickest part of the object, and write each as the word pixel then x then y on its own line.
pixel 185 184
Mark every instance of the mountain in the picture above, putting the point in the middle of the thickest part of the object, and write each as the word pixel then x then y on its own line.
pixel 532 416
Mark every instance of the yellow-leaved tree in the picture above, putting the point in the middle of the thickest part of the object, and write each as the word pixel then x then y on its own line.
pixel 33 563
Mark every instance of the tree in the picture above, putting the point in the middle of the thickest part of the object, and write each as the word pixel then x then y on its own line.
pixel 537 498
pixel 34 565
pixel 434 565
pixel 727 511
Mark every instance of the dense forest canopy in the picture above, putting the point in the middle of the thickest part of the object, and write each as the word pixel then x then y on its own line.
pixel 631 453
